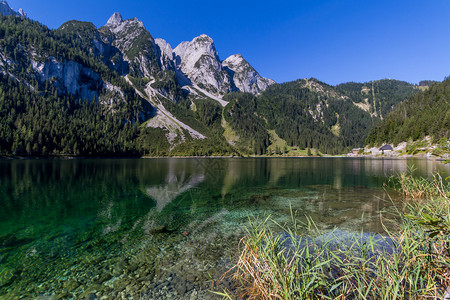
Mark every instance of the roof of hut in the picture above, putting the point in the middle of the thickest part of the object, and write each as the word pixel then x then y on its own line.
pixel 386 148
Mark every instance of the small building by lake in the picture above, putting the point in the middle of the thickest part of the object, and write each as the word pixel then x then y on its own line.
pixel 356 151
pixel 386 147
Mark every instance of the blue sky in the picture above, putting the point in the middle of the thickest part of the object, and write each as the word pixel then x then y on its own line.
pixel 334 41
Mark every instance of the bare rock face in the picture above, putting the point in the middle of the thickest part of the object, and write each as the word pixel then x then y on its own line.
pixel 199 61
pixel 244 76
pixel 166 55
pixel 8 11
pixel 136 43
pixel 68 75
pixel 115 20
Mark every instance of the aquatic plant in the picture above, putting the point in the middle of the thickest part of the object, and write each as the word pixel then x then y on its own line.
pixel 410 261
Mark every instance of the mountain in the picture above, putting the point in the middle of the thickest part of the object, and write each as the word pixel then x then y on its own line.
pixel 424 114
pixel 117 71
pixel 57 98
pixel 380 96
pixel 305 113
pixel 116 90
pixel 8 11
pixel 301 114
pixel 200 62
pixel 244 77
pixel 135 43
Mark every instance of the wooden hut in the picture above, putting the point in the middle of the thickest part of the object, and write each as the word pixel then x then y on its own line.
pixel 386 147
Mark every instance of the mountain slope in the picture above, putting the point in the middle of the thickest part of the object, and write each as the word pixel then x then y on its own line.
pixel 378 97
pixel 57 99
pixel 424 114
pixel 305 113
pixel 311 114
pixel 200 62
pixel 244 77
pixel 8 11
pixel 115 90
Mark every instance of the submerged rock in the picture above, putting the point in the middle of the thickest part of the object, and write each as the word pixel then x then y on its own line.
pixel 11 240
pixel 159 229
pixel 7 276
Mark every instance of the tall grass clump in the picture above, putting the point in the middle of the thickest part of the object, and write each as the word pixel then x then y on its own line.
pixel 410 261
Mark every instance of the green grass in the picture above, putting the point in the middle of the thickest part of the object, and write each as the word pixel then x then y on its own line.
pixel 419 268
pixel 229 134
pixel 280 144
pixel 276 141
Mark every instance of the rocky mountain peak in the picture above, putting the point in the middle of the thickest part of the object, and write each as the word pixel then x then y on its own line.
pixel 6 10
pixel 115 20
pixel 205 39
pixel 22 13
pixel 234 60
pixel 244 76
pixel 199 61
pixel 165 54
pixel 193 50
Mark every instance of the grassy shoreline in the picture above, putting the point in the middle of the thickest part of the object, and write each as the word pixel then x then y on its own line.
pixel 301 264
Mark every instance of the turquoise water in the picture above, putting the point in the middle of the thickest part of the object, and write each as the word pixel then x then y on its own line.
pixel 149 228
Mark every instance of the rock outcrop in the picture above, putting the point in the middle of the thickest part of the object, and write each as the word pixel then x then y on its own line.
pixel 135 43
pixel 166 55
pixel 200 62
pixel 8 11
pixel 70 77
pixel 245 78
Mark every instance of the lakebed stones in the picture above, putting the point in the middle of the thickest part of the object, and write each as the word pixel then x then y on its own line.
pixel 71 285
pixel 164 265
pixel 7 276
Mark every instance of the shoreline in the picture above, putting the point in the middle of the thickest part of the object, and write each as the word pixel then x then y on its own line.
pixel 376 157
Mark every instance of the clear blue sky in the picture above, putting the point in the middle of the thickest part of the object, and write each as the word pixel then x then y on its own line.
pixel 334 41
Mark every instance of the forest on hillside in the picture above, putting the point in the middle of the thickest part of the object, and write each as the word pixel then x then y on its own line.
pixel 306 118
pixel 424 114
pixel 41 118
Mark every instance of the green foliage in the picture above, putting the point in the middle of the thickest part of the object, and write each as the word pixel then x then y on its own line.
pixel 167 83
pixel 427 82
pixel 153 142
pixel 425 114
pixel 47 120
pixel 304 117
pixel 208 112
pixel 139 82
pixel 214 146
pixel 70 127
pixel 77 34
pixel 302 266
pixel 241 114
pixel 436 225
pixel 443 147
pixel 381 95
pixel 414 147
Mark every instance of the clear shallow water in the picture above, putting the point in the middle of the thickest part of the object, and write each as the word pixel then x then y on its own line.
pixel 154 228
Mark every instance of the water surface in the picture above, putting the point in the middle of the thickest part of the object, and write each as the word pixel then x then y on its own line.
pixel 149 228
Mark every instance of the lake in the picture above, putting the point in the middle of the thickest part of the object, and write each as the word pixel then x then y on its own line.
pixel 168 228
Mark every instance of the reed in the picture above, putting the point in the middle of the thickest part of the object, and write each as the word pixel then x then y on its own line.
pixel 303 263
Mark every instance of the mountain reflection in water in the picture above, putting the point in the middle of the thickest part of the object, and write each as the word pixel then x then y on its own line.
pixel 79 219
